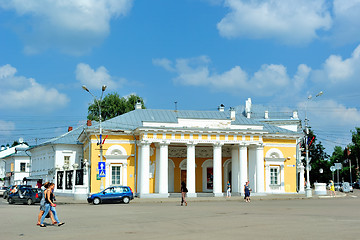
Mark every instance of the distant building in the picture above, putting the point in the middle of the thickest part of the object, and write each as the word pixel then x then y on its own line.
pixel 153 151
pixel 15 162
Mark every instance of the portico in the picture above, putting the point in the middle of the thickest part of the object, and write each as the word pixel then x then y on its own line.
pixel 200 162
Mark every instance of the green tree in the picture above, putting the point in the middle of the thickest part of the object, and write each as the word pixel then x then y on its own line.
pixel 354 147
pixel 112 106
pixel 319 159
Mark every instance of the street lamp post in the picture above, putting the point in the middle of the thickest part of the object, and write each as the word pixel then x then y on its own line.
pixel 100 129
pixel 308 191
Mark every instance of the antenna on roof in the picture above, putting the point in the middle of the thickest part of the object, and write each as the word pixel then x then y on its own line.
pixel 175 106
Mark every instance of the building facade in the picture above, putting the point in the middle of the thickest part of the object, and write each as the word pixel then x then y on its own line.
pixel 60 160
pixel 153 151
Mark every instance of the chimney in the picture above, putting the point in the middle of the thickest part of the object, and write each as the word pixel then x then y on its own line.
pixel 221 108
pixel 266 114
pixel 138 105
pixel 248 108
pixel 232 114
pixel 295 115
pixel 70 129
pixel 88 123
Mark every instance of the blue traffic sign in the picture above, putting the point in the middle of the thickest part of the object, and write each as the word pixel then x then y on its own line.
pixel 102 173
pixel 101 166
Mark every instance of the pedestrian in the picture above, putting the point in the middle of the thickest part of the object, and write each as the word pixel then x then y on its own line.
pixel 247 190
pixel 184 190
pixel 332 189
pixel 228 190
pixel 50 205
pixel 42 207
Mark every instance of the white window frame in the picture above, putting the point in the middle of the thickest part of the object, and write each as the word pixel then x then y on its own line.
pixel 277 168
pixel 120 175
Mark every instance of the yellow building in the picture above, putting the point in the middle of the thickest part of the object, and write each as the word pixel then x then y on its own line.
pixel 153 151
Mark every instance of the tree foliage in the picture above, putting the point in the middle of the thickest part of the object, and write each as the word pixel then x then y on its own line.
pixel 340 155
pixel 112 106
pixel 319 159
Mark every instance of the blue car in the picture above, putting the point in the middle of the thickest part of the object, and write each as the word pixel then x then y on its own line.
pixel 112 194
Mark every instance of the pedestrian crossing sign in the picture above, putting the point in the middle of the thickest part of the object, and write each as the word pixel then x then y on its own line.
pixel 102 173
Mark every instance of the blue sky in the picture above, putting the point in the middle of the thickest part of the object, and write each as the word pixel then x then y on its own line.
pixel 200 53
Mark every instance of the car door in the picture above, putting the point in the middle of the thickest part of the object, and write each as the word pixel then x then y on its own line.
pixel 108 195
pixel 23 195
pixel 119 192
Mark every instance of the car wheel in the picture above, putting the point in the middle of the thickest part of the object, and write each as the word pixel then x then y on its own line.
pixel 126 200
pixel 30 201
pixel 96 201
pixel 10 200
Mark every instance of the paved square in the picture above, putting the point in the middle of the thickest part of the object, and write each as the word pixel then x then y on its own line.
pixel 271 219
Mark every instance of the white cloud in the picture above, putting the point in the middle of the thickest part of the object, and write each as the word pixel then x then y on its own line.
pixel 346 21
pixel 163 62
pixel 268 80
pixel 94 79
pixel 288 21
pixel 73 26
pixel 336 70
pixel 18 92
pixel 331 113
pixel 6 127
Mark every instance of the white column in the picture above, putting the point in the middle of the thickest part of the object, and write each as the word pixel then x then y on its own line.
pixel 163 170
pixel 144 169
pixel 282 186
pixel 138 164
pixel 267 172
pixel 235 165
pixel 217 170
pixel 157 167
pixel 107 181
pixel 243 167
pixel 301 180
pixel 124 174
pixel 190 170
pixel 252 168
pixel 260 169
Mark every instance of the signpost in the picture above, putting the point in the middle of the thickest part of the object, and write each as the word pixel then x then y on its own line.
pixel 101 168
pixel 338 166
pixel 332 169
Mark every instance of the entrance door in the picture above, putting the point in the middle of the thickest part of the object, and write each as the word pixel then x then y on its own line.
pixel 183 176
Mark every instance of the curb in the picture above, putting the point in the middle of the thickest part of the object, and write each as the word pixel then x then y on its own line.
pixel 68 200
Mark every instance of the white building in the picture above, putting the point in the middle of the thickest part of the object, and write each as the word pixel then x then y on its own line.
pixel 12 162
pixel 60 160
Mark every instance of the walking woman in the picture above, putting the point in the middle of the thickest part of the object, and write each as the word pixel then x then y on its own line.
pixel 184 190
pixel 50 205
pixel 332 189
pixel 247 191
pixel 42 207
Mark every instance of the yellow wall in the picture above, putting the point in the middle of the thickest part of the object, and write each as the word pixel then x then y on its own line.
pixel 289 164
pixel 95 159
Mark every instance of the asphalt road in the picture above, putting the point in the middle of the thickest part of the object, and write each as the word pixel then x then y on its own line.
pixel 329 218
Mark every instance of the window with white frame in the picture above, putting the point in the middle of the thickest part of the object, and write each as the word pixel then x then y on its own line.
pixel 116 175
pixel 274 175
pixel 67 160
pixel 22 167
